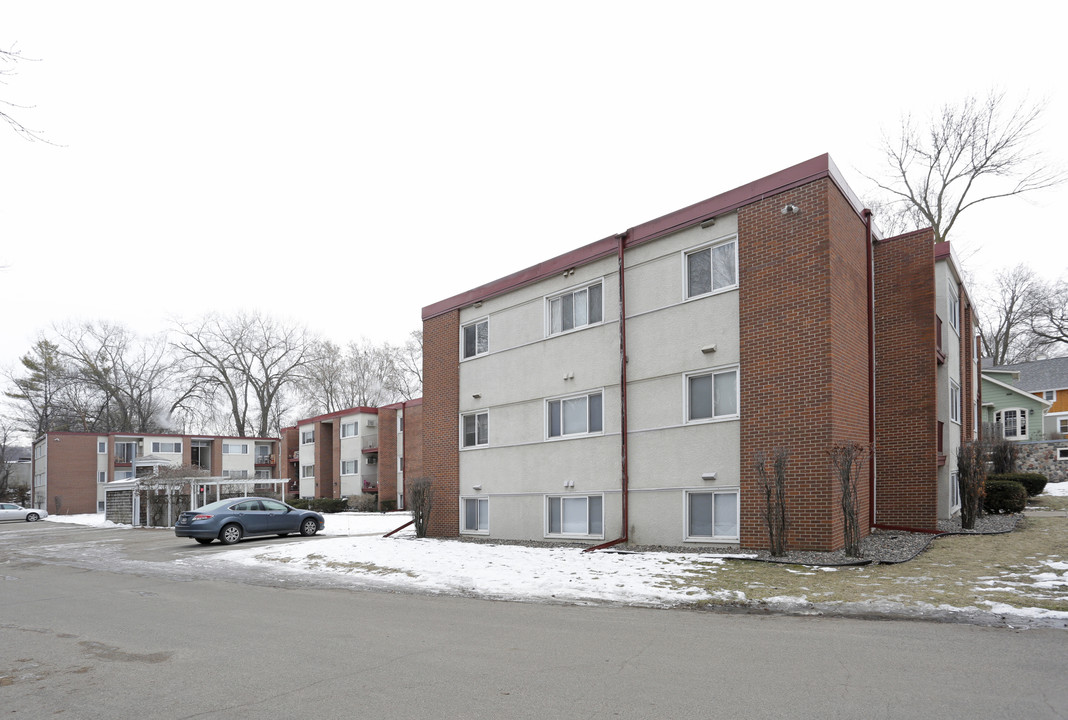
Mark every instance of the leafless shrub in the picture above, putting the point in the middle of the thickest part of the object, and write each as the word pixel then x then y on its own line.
pixel 971 474
pixel 848 459
pixel 420 500
pixel 774 488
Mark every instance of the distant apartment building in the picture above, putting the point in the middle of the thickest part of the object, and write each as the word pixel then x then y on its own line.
pixel 400 456
pixel 334 455
pixel 70 470
pixel 623 391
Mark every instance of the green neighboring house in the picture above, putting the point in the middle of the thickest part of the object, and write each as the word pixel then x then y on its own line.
pixel 1018 412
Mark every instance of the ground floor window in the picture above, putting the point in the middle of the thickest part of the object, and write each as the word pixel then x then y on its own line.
pixel 712 515
pixel 1062 453
pixel 954 490
pixel 100 506
pixel 576 515
pixel 476 515
pixel 1013 423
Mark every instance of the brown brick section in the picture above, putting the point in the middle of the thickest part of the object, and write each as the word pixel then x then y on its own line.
pixel 387 455
pixel 441 405
pixel 413 441
pixel 288 469
pixel 906 382
pixel 72 479
pixel 803 332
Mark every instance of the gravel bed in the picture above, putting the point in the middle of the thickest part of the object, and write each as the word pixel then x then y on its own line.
pixel 881 546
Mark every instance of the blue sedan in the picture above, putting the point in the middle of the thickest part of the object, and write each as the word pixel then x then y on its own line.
pixel 230 520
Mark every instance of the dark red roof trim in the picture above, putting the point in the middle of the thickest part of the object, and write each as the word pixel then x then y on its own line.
pixel 800 174
pixel 338 413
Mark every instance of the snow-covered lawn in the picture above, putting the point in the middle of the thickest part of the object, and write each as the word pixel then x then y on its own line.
pixel 352 547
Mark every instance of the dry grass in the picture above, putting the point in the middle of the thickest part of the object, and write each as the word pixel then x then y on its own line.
pixel 956 571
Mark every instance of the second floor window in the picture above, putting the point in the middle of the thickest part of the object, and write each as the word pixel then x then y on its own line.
pixel 476 339
pixel 576 415
pixel 348 467
pixel 575 309
pixel 712 269
pixel 307 437
pixel 349 429
pixel 476 429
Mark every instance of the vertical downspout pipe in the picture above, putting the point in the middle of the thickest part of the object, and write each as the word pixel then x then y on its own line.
pixel 624 472
pixel 866 214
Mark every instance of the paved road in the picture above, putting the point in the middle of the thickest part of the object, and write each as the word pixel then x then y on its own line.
pixel 137 641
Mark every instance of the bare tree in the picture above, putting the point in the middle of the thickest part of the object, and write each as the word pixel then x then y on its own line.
pixel 1006 310
pixel 847 460
pixel 421 500
pixel 364 374
pixel 1049 317
pixel 773 486
pixel 245 362
pixel 407 380
pixel 9 60
pixel 39 394
pixel 969 153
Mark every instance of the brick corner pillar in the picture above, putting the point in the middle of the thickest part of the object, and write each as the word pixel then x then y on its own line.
pixel 803 374
pixel 387 455
pixel 441 407
pixel 906 384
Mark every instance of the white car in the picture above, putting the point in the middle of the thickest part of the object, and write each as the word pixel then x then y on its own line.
pixel 11 511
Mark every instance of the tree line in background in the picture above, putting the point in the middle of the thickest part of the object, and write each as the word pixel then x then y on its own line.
pixel 1022 317
pixel 246 375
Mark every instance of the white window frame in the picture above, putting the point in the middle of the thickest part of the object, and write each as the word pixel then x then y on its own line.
pixel 354 426
pixel 690 537
pixel 463 430
pixel 101 447
pixel 1062 426
pixel 954 401
pixel 1062 454
pixel 235 474
pixel 689 377
pixel 355 467
pixel 591 310
pixel 710 247
pixel 954 490
pixel 307 472
pixel 565 398
pixel 307 437
pixel 1049 395
pixel 481 505
pixel 1022 419
pixel 592 519
pixel 473 327
pixel 954 306
pixel 176 447
pixel 102 476
pixel 228 449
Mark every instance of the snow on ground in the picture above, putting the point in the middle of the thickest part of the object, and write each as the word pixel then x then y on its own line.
pixel 90 519
pixel 1059 489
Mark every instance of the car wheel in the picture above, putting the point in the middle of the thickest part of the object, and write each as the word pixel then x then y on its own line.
pixel 230 534
pixel 309 527
pixel 204 541
pixel 33 517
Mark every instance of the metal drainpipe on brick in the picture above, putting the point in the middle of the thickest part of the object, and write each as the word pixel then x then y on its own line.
pixel 624 482
pixel 870 250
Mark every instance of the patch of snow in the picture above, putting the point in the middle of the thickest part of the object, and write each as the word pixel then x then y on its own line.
pixel 89 519
pixel 1056 489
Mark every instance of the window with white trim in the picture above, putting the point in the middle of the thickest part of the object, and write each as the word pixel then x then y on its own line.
pixel 102 476
pixel 235 474
pixel 712 268
pixel 1050 395
pixel 262 475
pixel 1062 426
pixel 475 338
pixel 350 429
pixel 579 415
pixel 167 447
pixel 954 306
pixel 575 308
pixel 307 437
pixel 307 471
pixel 712 395
pixel 348 467
pixel 954 490
pixel 1013 423
pixel 100 506
pixel 102 447
pixel 712 515
pixel 954 401
pixel 475 515
pixel 475 429
pixel 39 450
pixel 1062 453
pixel 575 515
pixel 235 448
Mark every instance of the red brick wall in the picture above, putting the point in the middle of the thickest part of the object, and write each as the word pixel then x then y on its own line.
pixel 326 482
pixel 413 441
pixel 906 382
pixel 387 455
pixel 803 327
pixel 441 407
pixel 289 444
pixel 72 478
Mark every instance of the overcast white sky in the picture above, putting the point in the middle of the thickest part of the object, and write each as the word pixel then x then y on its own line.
pixel 346 164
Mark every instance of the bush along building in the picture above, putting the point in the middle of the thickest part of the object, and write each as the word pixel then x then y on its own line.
pixel 622 392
